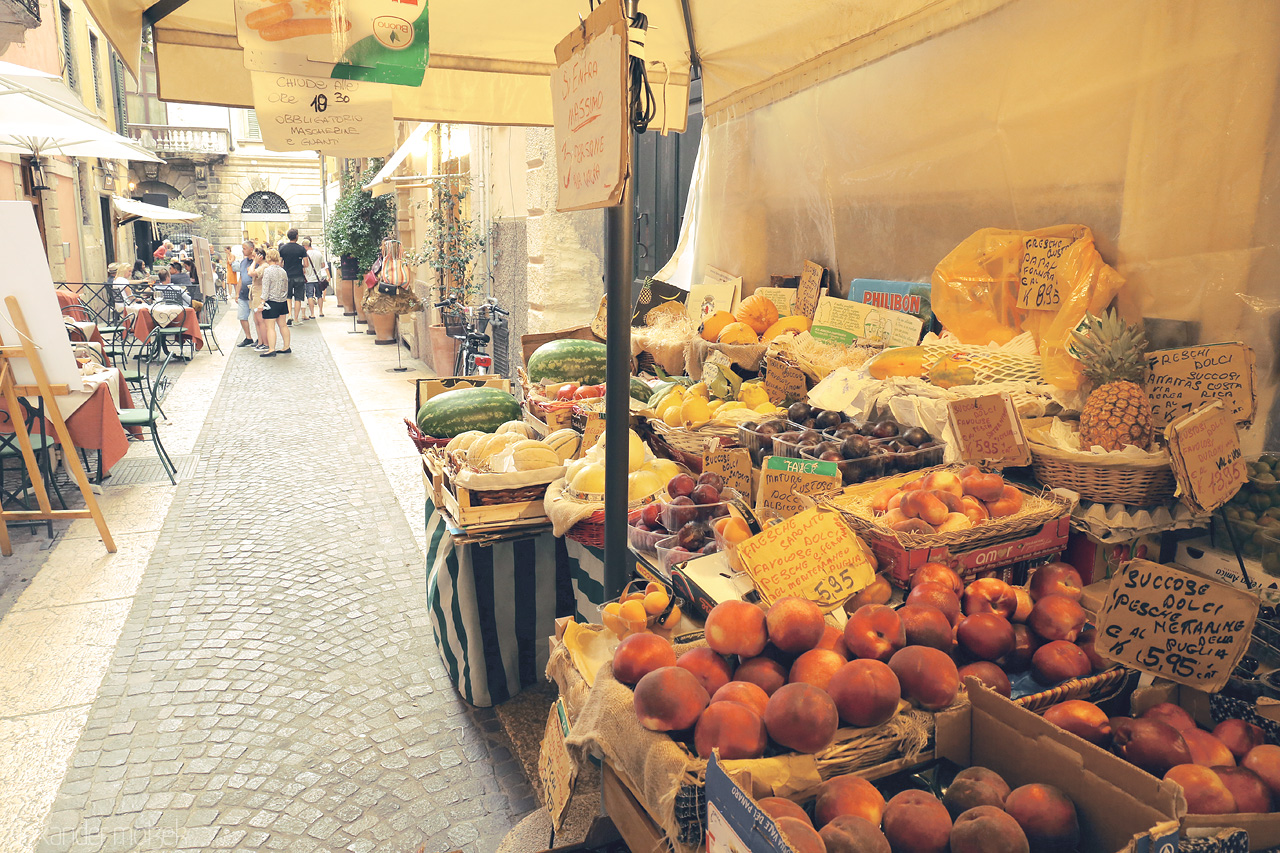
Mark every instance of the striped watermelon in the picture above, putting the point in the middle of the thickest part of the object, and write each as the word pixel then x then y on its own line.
pixel 569 361
pixel 455 412
pixel 640 389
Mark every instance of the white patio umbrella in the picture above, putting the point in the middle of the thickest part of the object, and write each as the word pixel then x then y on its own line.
pixel 40 115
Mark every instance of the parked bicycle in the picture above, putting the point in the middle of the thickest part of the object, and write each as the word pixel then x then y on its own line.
pixel 467 324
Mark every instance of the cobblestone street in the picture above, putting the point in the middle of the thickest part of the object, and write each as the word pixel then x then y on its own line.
pixel 275 685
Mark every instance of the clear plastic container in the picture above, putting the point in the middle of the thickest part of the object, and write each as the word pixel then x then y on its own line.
pixel 759 445
pixel 674 517
pixel 642 540
pixel 857 470
pixel 1264 474
pixel 730 550
pixel 670 554
pixel 914 460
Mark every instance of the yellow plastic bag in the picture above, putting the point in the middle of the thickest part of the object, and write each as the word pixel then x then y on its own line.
pixel 997 284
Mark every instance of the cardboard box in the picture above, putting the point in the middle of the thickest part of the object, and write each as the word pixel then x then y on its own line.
pixel 428 388
pixel 1199 556
pixel 1121 808
pixel 1097 561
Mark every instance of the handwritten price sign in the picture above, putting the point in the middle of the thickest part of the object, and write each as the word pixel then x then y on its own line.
pixel 1038 285
pixel 1174 624
pixel 1204 448
pixel 989 431
pixel 812 555
pixel 556 767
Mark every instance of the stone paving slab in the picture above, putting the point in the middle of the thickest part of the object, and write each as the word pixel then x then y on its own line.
pixel 275 686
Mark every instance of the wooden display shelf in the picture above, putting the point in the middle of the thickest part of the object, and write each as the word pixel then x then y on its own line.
pixel 634 823
pixel 458 502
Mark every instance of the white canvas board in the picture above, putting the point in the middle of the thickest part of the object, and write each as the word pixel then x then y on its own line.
pixel 204 266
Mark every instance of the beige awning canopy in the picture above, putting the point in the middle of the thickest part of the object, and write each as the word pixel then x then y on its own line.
pixel 131 209
pixel 491 60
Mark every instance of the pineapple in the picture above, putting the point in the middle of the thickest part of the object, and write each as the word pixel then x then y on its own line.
pixel 1113 356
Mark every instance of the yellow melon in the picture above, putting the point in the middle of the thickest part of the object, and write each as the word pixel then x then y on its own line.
pixel 738 333
pixel 713 325
pixel 786 324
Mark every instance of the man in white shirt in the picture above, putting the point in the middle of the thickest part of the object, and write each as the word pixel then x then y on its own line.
pixel 317 278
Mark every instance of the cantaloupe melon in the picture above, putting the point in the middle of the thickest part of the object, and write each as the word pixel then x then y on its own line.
pixel 796 324
pixel 713 325
pixel 738 333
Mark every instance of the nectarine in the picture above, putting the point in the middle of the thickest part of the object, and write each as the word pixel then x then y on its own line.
pixel 1056 617
pixel 1207 750
pixel 669 699
pixel 990 675
pixel 1047 817
pixel 985 636
pixel 1174 715
pixel 1239 736
pixel 734 729
pixel 1081 718
pixel 852 834
pixel 639 655
pixel 866 692
pixel 801 717
pixel 1025 644
pixel 928 677
pixel 927 626
pixel 1251 793
pixel 744 693
pixel 848 795
pixel 816 667
pixel 939 573
pixel 990 595
pixel 794 624
pixel 1056 579
pixel 936 595
pixel 916 822
pixel 1058 661
pixel 736 628
pixel 1150 744
pixel 1264 760
pixel 874 631
pixel 987 829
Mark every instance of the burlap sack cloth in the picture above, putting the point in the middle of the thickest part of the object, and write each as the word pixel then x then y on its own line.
pixel 746 356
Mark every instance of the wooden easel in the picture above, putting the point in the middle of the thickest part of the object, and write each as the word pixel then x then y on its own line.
pixel 11 391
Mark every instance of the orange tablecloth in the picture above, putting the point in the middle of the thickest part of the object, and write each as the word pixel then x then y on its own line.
pixel 94 426
pixel 66 297
pixel 142 324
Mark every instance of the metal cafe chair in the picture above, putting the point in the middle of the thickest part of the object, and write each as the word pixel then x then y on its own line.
pixel 150 416
pixel 22 495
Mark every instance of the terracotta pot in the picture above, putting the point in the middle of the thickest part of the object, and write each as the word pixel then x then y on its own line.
pixel 346 297
pixel 359 294
pixel 384 325
pixel 444 350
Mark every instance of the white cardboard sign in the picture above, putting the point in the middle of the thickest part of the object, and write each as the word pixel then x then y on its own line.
pixel 320 114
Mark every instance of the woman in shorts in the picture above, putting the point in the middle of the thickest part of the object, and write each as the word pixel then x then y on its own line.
pixel 256 304
pixel 275 292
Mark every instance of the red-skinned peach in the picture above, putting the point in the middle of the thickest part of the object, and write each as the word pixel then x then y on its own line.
pixel 1265 761
pixel 1056 579
pixel 765 673
pixel 866 692
pixel 776 807
pixel 852 834
pixel 927 626
pixel 1059 661
pixel 833 641
pixel 1174 715
pixel 1047 817
pixel 744 693
pixel 875 632
pixel 1081 718
pixel 990 595
pixel 848 795
pixel 985 636
pixel 639 655
pixel 990 675
pixel 916 822
pixel 816 667
pixel 1056 617
pixel 936 595
pixel 802 837
pixel 794 624
pixel 928 677
pixel 801 717
pixel 1203 789
pixel 1251 793
pixel 733 729
pixel 938 573
pixel 1239 736
pixel 1207 750
pixel 669 699
pixel 711 670
pixel 736 628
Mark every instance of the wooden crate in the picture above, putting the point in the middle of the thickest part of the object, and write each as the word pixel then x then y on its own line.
pixel 433 479
pixel 460 503
pixel 636 826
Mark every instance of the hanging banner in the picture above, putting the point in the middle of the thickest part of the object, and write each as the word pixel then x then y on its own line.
pixel 588 106
pixel 339 117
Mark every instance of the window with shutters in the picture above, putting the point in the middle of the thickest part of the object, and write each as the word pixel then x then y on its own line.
pixel 68 55
pixel 118 93
pixel 93 61
pixel 251 130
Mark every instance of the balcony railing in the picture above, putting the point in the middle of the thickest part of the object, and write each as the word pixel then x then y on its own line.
pixel 164 139
pixel 24 12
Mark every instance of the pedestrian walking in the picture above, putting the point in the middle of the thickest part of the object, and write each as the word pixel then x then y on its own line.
pixel 293 257
pixel 257 303
pixel 275 291
pixel 244 309
pixel 317 279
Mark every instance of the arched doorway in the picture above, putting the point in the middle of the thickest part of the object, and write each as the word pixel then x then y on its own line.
pixel 264 218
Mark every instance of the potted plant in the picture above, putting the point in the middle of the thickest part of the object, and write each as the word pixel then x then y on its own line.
pixel 358 225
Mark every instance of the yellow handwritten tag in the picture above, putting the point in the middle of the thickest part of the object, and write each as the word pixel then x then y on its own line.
pixel 733 464
pixel 1204 448
pixel 809 290
pixel 784 483
pixel 812 555
pixel 556 767
pixel 591 434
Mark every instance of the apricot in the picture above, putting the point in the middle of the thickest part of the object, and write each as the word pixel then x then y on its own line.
pixel 928 677
pixel 936 595
pixel 990 595
pixel 848 795
pixel 990 675
pixel 1150 744
pixel 735 730
pixel 801 717
pixel 1203 789
pixel 1047 817
pixel 985 636
pixel 939 573
pixel 1264 760
pixel 1025 604
pixel 795 625
pixel 632 612
pixel 866 692
pixel 744 693
pixel 655 602
pixel 927 626
pixel 1059 661
pixel 736 628
pixel 965 794
pixel 916 822
pixel 802 837
pixel 987 829
pixel 1081 718
pixel 974 509
pixel 1009 503
pixel 1251 793
pixel 669 699
pixel 880 500
pixel 780 807
pixel 733 530
pixel 1207 750
pixel 874 631
pixel 1239 736
pixel 639 655
pixel 765 673
pixel 816 667
pixel 852 834
pixel 987 777
pixel 984 487
pixel 1056 617
pixel 1174 715
pixel 1056 579
pixel 833 641
pixel 711 670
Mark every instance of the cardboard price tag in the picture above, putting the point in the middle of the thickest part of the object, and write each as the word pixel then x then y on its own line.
pixel 783 482
pixel 813 555
pixel 556 767
pixel 1179 381
pixel 591 433
pixel 784 382
pixel 715 365
pixel 810 289
pixel 1175 624
pixel 783 298
pixel 733 464
pixel 1038 284
pixel 1204 448
pixel 989 431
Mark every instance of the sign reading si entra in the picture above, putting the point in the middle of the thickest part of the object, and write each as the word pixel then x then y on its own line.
pixel 812 555
pixel 588 106
pixel 319 114
pixel 1174 624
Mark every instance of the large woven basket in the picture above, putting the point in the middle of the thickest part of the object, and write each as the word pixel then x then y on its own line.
pixel 420 440
pixel 1091 688
pixel 694 441
pixel 1096 478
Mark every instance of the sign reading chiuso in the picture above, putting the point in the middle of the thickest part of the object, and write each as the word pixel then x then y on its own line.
pixel 317 114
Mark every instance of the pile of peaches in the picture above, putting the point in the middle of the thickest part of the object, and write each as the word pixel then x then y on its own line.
pixel 1227 771
pixel 944 501
pixel 978 813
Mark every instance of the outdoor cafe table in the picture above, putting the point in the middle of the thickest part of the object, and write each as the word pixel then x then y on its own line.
pixel 141 323
pixel 92 419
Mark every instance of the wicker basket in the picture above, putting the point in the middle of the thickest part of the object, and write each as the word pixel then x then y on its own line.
pixel 1095 478
pixel 589 531
pixel 694 441
pixel 1091 688
pixel 420 441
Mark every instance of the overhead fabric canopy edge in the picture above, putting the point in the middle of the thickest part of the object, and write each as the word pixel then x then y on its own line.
pixel 381 183
pixel 132 209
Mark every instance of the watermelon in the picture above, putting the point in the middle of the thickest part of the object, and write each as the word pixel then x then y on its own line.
pixel 640 389
pixel 569 361
pixel 454 412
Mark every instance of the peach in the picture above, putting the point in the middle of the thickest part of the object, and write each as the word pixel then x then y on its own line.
pixel 669 699
pixel 924 506
pixel 939 573
pixel 801 836
pixel 866 692
pixel 1025 603
pixel 927 626
pixel 852 834
pixel 1264 760
pixel 1174 715
pixel 1239 736
pixel 1086 642
pixel 990 595
pixel 765 673
pixel 955 521
pixel 1150 744
pixel 945 481
pixel 893 516
pixel 1082 719
pixel 984 487
pixel 985 636
pixel 1025 644
pixel 736 628
pixel 879 591
pixel 987 829
pixel 848 795
pixel 1204 789
pixel 928 677
pixel 1046 815
pixel 965 794
pixel 987 777
pixel 990 675
pixel 1251 793
pixel 939 596
pixel 1058 661
pixel 874 631
pixel 711 670
pixel 916 822
pixel 735 730
pixel 794 624
pixel 1207 750
pixel 1056 617
pixel 780 807
pixel 974 509
pixel 833 641
pixel 1009 503
pixel 951 501
pixel 639 655
pixel 1056 579
pixel 744 693
pixel 816 667
pixel 967 471
pixel 880 500
pixel 801 717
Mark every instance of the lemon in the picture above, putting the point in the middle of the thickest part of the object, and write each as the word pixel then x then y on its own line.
pixel 765 408
pixel 671 417
pixel 715 406
pixel 641 484
pixel 695 412
pixel 698 389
